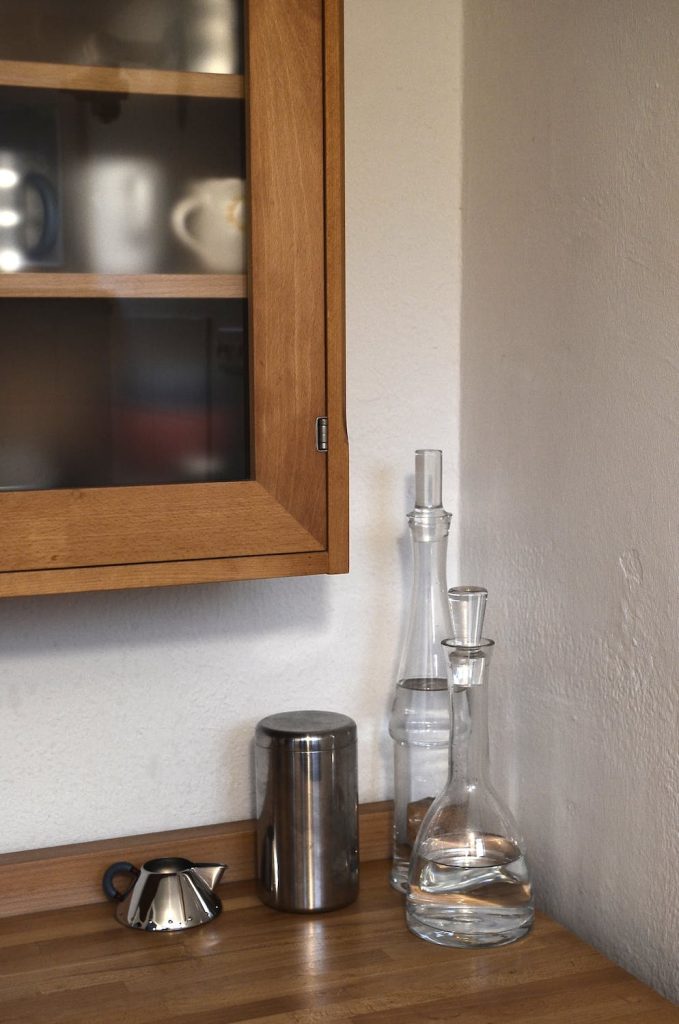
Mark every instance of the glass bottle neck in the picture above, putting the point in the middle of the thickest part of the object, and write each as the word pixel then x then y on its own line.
pixel 422 659
pixel 468 671
pixel 469 749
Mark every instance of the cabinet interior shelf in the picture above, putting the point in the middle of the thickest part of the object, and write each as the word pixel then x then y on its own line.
pixel 138 286
pixel 36 75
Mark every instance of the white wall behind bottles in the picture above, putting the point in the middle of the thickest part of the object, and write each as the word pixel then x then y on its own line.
pixel 570 434
pixel 131 712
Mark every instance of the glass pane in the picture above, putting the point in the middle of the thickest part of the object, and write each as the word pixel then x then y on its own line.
pixel 105 393
pixel 108 184
pixel 179 35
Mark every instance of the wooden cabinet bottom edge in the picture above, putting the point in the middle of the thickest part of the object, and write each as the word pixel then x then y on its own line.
pixel 161 574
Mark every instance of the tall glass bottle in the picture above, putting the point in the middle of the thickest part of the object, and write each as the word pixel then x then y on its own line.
pixel 419 723
pixel 468 880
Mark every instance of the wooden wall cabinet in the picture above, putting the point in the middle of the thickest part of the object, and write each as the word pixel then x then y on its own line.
pixel 288 513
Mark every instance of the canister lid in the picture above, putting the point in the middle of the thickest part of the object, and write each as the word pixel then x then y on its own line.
pixel 306 731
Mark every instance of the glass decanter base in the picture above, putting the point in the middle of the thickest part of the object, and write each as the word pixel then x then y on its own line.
pixel 461 895
pixel 469 928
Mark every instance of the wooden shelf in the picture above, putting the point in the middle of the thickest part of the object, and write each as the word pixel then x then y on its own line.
pixel 36 75
pixel 123 286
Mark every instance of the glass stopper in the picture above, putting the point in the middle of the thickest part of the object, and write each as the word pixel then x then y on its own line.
pixel 467 609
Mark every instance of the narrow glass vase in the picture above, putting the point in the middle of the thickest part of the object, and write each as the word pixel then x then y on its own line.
pixel 468 879
pixel 420 721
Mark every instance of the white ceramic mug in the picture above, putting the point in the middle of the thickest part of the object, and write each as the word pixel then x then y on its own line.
pixel 123 214
pixel 210 221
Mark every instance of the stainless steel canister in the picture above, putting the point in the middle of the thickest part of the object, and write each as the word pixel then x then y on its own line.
pixel 307 810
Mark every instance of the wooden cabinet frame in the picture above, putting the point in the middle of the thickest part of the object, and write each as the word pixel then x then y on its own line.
pixel 291 518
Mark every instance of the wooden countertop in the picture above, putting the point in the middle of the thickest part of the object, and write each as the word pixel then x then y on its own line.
pixel 79 966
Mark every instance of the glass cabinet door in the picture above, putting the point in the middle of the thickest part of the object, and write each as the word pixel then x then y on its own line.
pixel 162 281
pixel 140 187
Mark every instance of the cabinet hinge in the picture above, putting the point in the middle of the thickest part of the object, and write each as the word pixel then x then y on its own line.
pixel 322 434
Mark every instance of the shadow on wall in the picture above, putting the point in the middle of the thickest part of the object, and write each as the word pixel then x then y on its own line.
pixel 43 626
pixel 35 626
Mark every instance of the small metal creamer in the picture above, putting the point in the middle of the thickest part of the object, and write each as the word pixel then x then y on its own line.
pixel 167 894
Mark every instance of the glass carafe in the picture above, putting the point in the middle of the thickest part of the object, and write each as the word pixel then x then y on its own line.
pixel 468 879
pixel 419 722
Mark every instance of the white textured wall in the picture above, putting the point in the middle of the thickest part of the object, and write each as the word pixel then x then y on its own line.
pixel 130 712
pixel 570 442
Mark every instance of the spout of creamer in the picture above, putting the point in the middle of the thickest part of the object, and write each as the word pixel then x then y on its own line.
pixel 209 873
